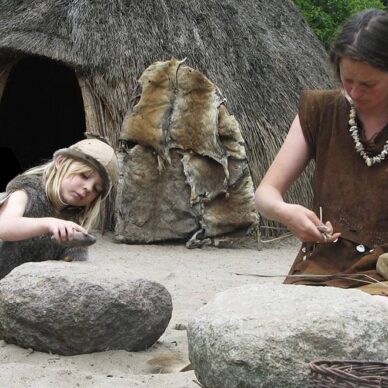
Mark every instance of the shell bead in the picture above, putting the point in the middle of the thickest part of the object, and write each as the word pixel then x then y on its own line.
pixel 360 248
pixel 359 147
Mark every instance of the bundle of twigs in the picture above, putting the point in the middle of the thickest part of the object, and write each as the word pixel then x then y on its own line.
pixel 348 374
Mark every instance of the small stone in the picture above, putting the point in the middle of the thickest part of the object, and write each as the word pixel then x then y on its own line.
pixel 180 326
pixel 382 265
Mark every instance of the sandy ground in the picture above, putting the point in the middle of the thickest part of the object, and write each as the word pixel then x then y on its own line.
pixel 192 277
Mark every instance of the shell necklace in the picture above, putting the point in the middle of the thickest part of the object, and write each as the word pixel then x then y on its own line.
pixel 369 160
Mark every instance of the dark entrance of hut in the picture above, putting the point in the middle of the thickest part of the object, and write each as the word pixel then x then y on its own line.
pixel 41 110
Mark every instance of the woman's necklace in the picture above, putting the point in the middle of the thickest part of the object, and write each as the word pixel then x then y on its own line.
pixel 369 160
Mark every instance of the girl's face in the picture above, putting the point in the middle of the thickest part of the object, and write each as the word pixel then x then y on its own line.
pixel 81 189
pixel 366 85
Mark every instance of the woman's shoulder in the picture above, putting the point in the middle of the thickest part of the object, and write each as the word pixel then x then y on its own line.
pixel 321 102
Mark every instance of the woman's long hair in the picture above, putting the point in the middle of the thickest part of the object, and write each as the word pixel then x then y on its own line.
pixel 364 37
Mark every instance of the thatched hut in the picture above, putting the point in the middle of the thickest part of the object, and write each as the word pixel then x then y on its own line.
pixel 67 67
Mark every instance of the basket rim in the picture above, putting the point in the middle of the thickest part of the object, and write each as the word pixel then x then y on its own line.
pixel 321 362
pixel 346 370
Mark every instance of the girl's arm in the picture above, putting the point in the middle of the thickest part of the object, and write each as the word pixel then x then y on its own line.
pixel 14 226
pixel 289 163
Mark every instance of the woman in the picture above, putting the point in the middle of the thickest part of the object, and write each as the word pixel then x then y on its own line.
pixel 46 206
pixel 346 132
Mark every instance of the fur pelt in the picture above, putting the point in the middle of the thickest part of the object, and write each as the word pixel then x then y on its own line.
pixel 181 120
pixel 178 108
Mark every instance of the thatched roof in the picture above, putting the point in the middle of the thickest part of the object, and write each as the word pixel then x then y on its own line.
pixel 261 54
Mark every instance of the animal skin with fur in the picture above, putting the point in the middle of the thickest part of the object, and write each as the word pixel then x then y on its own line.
pixel 184 132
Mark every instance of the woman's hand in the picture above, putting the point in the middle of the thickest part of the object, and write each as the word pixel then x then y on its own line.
pixel 305 224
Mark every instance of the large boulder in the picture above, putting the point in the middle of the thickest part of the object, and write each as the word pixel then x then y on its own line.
pixel 73 308
pixel 265 335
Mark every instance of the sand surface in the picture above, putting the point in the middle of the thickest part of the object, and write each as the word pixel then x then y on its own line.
pixel 192 277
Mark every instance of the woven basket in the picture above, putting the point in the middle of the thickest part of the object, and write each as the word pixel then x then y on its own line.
pixel 348 374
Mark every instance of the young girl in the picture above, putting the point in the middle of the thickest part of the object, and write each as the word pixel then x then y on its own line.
pixel 44 207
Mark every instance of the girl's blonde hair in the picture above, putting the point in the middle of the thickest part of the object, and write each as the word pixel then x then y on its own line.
pixel 53 176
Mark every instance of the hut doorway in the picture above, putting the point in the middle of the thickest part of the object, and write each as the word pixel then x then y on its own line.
pixel 41 110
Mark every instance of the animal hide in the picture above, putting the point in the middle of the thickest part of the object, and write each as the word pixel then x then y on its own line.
pixel 148 122
pixel 153 206
pixel 187 177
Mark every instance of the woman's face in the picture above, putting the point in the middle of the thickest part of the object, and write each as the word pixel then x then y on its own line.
pixel 366 85
pixel 81 189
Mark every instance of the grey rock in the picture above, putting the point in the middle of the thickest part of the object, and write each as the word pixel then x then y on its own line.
pixel 71 308
pixel 382 265
pixel 266 335
pixel 79 240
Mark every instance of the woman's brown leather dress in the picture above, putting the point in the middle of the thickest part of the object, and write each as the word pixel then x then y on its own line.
pixel 353 196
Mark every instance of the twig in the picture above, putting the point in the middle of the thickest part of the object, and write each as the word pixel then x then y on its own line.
pixel 277 238
pixel 196 382
pixel 336 276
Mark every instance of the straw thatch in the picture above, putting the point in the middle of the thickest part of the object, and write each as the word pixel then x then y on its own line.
pixel 259 53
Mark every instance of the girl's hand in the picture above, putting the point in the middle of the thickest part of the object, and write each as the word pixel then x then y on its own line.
pixel 305 224
pixel 15 227
pixel 63 230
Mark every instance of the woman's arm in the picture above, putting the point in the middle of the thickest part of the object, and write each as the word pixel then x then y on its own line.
pixel 289 163
pixel 14 226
